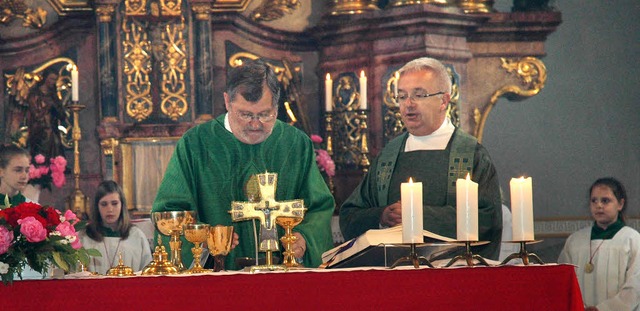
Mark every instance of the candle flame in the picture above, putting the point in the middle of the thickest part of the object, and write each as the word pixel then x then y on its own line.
pixel 410 180
pixel 328 77
pixel 468 176
pixel 362 74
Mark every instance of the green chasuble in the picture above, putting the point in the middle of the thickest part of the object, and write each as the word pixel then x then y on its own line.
pixel 210 168
pixel 362 210
pixel 13 201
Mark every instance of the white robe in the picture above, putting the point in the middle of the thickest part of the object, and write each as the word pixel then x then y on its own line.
pixel 136 252
pixel 614 283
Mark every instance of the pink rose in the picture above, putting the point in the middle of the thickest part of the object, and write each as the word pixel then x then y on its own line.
pixel 58 179
pixel 6 237
pixel 34 172
pixel 44 170
pixel 58 164
pixel 325 162
pixel 70 217
pixel 66 229
pixel 39 159
pixel 316 139
pixel 32 229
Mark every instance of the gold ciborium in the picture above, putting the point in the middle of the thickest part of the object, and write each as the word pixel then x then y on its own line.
pixel 170 224
pixel 288 238
pixel 219 242
pixel 196 234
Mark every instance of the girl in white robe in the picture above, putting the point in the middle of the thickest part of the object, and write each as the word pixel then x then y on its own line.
pixel 607 254
pixel 110 231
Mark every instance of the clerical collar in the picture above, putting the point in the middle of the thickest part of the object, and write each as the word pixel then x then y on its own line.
pixel 226 122
pixel 108 232
pixel 598 233
pixel 437 140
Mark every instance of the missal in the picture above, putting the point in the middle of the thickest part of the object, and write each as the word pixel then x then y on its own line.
pixel 381 248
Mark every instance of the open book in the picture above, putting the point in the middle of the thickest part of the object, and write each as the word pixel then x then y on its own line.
pixel 379 247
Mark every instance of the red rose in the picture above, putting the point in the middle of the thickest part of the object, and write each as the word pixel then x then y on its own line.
pixel 53 218
pixel 11 215
pixel 28 209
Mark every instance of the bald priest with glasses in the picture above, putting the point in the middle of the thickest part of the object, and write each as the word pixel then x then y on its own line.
pixel 433 152
pixel 213 162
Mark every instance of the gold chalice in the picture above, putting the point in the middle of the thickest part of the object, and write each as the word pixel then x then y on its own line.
pixel 219 242
pixel 170 224
pixel 288 238
pixel 196 234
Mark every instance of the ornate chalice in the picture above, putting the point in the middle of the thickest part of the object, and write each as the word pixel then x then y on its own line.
pixel 219 241
pixel 196 234
pixel 170 224
pixel 288 238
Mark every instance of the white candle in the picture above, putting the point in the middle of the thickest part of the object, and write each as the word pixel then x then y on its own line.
pixel 522 208
pixel 363 91
pixel 395 85
pixel 75 88
pixel 411 200
pixel 467 209
pixel 328 94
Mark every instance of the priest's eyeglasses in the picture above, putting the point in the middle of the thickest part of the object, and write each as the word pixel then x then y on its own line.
pixel 262 117
pixel 417 97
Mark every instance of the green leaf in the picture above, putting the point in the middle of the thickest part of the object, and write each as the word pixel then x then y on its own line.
pixel 93 252
pixel 60 262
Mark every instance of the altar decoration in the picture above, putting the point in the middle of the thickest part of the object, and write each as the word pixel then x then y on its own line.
pixel 323 158
pixel 45 172
pixel 39 236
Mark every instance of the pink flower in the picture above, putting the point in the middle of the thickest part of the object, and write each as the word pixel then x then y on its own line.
pixel 34 172
pixel 58 179
pixel 32 229
pixel 58 164
pixel 70 217
pixel 44 170
pixel 39 159
pixel 316 139
pixel 325 162
pixel 6 237
pixel 66 229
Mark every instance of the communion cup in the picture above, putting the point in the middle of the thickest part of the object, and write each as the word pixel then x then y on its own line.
pixel 288 238
pixel 170 224
pixel 196 234
pixel 219 243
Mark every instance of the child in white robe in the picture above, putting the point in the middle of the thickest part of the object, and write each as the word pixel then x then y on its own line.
pixel 607 254
pixel 110 231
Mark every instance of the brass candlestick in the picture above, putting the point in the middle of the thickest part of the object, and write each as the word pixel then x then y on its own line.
pixel 170 224
pixel 364 145
pixel 413 258
pixel 196 234
pixel 288 239
pixel 523 254
pixel 468 256
pixel 77 202
pixel 328 120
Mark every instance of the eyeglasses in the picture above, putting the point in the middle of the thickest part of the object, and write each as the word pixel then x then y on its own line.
pixel 416 97
pixel 262 117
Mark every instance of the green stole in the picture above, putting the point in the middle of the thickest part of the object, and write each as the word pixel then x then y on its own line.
pixel 461 158
pixel 12 201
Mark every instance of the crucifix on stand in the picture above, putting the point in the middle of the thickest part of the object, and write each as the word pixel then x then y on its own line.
pixel 264 207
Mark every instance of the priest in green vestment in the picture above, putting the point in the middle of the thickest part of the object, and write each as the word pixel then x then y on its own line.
pixel 433 152
pixel 213 162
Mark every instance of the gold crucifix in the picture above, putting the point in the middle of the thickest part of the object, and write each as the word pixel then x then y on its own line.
pixel 265 208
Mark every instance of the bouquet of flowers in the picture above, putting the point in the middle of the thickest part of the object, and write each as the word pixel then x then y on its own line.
pixel 45 172
pixel 325 163
pixel 38 236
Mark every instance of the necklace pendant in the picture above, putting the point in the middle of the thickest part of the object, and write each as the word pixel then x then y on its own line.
pixel 588 268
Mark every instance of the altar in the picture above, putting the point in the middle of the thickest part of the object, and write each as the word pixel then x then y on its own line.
pixel 534 287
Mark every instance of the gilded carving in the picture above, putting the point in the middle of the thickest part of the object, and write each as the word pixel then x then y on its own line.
pixel 532 74
pixel 344 7
pixel 137 68
pixel 135 7
pixel 271 10
pixel 109 145
pixel 174 67
pixel 11 9
pixel 201 10
pixel 105 12
pixel 230 5
pixel 171 7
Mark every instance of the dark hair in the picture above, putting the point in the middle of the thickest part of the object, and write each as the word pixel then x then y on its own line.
pixel 8 152
pixel 618 191
pixel 248 80
pixel 95 220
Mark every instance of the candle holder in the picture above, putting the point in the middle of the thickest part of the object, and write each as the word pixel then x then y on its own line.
pixel 523 254
pixel 412 258
pixel 328 121
pixel 468 256
pixel 77 202
pixel 364 145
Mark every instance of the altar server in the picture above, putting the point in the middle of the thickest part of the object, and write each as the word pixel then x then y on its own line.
pixel 110 231
pixel 14 174
pixel 607 253
pixel 213 162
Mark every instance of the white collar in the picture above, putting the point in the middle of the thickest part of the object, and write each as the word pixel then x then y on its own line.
pixel 437 140
pixel 226 122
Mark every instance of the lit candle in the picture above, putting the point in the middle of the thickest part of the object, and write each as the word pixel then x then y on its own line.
pixel 328 94
pixel 522 208
pixel 363 91
pixel 75 88
pixel 411 200
pixel 395 85
pixel 467 209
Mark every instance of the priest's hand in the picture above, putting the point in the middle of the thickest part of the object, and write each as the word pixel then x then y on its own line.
pixel 299 246
pixel 391 215
pixel 236 240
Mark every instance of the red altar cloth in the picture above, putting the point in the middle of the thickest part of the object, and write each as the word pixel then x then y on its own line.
pixel 549 287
